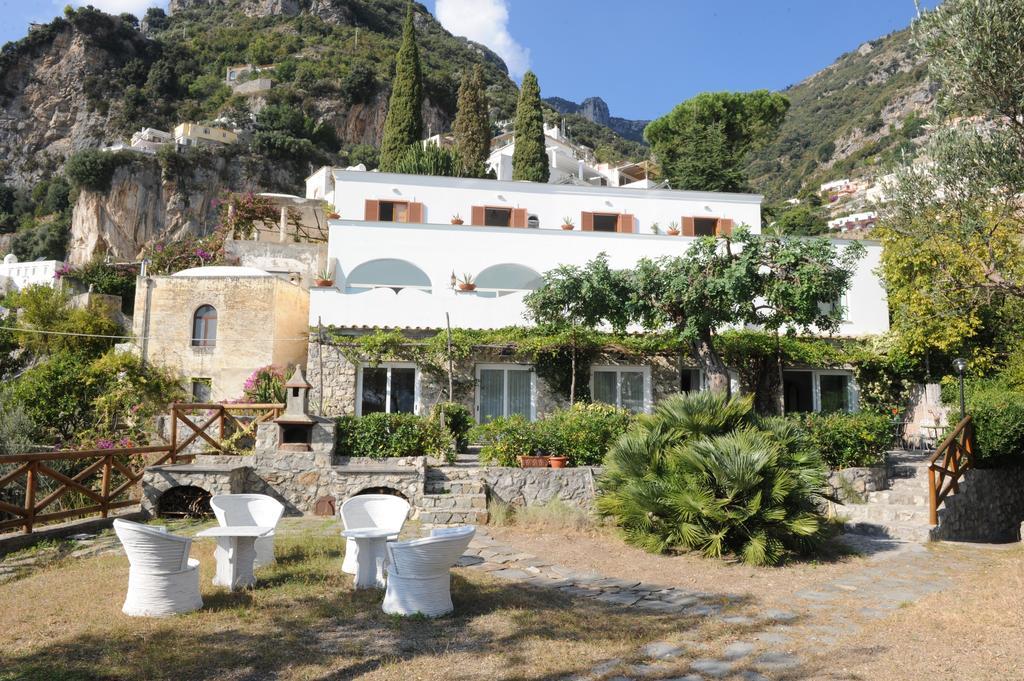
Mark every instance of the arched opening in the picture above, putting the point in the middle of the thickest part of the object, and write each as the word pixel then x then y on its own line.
pixel 184 501
pixel 500 280
pixel 381 490
pixel 389 273
pixel 204 327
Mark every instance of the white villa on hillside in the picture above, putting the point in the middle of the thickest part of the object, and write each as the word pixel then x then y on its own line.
pixel 397 259
pixel 15 275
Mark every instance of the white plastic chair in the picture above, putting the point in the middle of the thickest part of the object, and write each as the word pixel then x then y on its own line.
pixel 162 579
pixel 365 511
pixel 248 510
pixel 419 573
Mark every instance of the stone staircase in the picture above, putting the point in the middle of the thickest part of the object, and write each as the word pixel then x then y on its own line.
pixel 899 512
pixel 454 494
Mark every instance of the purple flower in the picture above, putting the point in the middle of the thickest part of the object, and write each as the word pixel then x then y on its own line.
pixel 203 254
pixel 104 443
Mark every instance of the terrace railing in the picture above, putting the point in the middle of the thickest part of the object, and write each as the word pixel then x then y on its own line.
pixel 212 423
pixel 92 481
pixel 951 461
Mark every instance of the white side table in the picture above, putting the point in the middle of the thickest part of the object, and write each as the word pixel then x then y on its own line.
pixel 235 554
pixel 371 553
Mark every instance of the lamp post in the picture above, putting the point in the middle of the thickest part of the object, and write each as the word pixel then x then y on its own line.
pixel 960 364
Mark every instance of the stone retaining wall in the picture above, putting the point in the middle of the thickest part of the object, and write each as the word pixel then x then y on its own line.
pixel 988 508
pixel 851 485
pixel 537 486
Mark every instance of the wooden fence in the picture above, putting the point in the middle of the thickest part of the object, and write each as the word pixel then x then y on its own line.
pixel 213 426
pixel 951 461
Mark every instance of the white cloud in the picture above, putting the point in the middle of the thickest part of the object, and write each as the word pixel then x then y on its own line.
pixel 136 7
pixel 486 22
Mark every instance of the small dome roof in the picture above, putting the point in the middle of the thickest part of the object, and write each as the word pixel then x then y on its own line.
pixel 211 271
pixel 10 259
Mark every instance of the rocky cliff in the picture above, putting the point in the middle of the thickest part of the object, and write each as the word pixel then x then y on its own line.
pixel 596 109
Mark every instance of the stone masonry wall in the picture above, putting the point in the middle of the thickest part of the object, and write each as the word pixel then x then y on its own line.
pixel 851 485
pixel 538 486
pixel 988 508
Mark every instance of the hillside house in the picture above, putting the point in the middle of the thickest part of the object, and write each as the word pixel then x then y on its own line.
pixel 15 275
pixel 196 134
pixel 399 258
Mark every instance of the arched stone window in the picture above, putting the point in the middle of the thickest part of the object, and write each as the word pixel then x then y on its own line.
pixel 389 273
pixel 500 280
pixel 204 327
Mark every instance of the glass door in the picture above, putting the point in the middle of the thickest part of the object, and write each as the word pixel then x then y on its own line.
pixel 503 392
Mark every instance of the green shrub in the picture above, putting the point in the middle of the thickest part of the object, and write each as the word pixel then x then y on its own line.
pixel 382 436
pixel 583 432
pixel 848 440
pixel 504 439
pixel 94 169
pixel 998 415
pixel 704 473
pixel 457 419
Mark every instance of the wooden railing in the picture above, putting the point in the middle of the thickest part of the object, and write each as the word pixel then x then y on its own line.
pixel 952 459
pixel 118 474
pixel 213 426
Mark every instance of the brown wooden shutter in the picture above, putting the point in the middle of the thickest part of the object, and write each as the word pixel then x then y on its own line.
pixel 518 217
pixel 688 227
pixel 476 216
pixel 625 224
pixel 724 227
pixel 586 222
pixel 415 214
pixel 372 210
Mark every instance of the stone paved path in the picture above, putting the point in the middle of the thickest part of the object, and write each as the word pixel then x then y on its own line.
pixel 769 643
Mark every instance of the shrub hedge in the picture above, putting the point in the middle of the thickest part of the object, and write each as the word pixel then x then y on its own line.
pixel 382 436
pixel 848 440
pixel 998 415
pixel 457 419
pixel 504 439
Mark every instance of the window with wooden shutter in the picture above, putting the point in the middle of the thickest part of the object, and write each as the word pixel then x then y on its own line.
pixel 625 225
pixel 415 215
pixel 586 222
pixel 688 228
pixel 705 226
pixel 476 216
pixel 725 227
pixel 372 210
pixel 518 217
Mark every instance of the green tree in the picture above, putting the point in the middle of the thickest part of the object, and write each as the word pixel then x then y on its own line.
pixel 47 324
pixel 404 123
pixel 472 126
pixel 801 220
pixel 430 160
pixel 578 299
pixel 703 142
pixel 530 159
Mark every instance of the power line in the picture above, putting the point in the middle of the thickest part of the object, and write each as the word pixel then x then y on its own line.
pixel 109 337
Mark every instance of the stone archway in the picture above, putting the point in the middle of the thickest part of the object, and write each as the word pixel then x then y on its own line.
pixel 184 501
pixel 381 489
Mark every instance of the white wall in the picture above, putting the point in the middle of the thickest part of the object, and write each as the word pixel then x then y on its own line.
pixel 22 274
pixel 442 197
pixel 438 250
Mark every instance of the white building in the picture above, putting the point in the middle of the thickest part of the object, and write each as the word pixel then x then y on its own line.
pixel 149 140
pixel 846 223
pixel 835 186
pixel 15 275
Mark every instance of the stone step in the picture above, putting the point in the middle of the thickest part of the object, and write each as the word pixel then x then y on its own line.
pixel 909 470
pixel 902 531
pixel 452 502
pixel 474 517
pixel 884 513
pixel 453 487
pixel 907 496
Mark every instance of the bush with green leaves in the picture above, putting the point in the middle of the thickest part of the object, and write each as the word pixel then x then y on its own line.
pixel 583 432
pixel 383 436
pixel 848 440
pixel 458 419
pixel 996 406
pixel 94 169
pixel 265 386
pixel 705 473
pixel 505 439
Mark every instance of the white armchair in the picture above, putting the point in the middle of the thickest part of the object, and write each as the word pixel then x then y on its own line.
pixel 162 579
pixel 419 572
pixel 248 510
pixel 376 511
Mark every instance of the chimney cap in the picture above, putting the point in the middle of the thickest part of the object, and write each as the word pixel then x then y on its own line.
pixel 297 380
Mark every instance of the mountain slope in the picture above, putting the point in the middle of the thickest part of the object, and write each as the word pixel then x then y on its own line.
pixel 596 110
pixel 849 119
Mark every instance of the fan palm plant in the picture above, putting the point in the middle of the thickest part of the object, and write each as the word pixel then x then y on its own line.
pixel 705 473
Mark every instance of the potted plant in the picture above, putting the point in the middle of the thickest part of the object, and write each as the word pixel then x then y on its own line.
pixel 467 283
pixel 329 212
pixel 556 461
pixel 456 219
pixel 655 229
pixel 323 278
pixel 673 228
pixel 567 224
pixel 533 461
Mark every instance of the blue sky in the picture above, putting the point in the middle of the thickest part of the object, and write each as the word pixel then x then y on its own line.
pixel 642 57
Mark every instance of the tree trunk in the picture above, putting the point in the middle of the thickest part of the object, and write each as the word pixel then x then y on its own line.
pixel 572 379
pixel 712 364
pixel 780 389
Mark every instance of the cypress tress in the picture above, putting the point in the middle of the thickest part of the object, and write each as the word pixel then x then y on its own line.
pixel 530 160
pixel 404 123
pixel 472 126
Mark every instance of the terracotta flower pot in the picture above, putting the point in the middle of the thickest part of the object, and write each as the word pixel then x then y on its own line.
pixel 558 461
pixel 673 232
pixel 533 462
pixel 457 221
pixel 466 287
pixel 323 283
pixel 568 228
pixel 333 216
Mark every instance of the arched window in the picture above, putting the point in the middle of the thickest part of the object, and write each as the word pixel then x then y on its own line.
pixel 387 273
pixel 204 327
pixel 501 280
